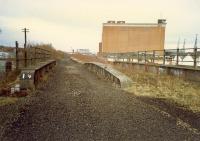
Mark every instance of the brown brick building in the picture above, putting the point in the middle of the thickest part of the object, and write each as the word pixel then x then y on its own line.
pixel 118 37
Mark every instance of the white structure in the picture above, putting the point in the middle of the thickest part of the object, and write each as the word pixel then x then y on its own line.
pixel 84 51
pixel 4 55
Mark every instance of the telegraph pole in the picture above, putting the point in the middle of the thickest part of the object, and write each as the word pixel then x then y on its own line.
pixel 178 44
pixel 195 52
pixel 195 44
pixel 25 30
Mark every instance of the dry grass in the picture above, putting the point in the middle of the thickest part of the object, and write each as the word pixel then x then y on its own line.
pixel 7 100
pixel 10 77
pixel 185 93
pixel 88 58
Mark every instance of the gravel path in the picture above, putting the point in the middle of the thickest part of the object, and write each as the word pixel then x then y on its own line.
pixel 75 105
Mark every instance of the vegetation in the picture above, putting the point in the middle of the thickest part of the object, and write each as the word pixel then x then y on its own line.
pixel 55 54
pixel 7 100
pixel 185 93
pixel 8 78
pixel 88 58
pixel 173 89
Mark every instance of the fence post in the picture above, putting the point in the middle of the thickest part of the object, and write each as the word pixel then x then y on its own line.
pixel 25 56
pixel 195 57
pixel 145 56
pixel 177 56
pixel 164 53
pixel 35 55
pixel 153 56
pixel 138 57
pixel 44 52
pixel 17 56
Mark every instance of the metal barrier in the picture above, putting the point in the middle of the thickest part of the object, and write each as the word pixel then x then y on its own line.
pixel 189 57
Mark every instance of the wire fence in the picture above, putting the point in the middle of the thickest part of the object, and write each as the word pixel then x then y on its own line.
pixel 188 57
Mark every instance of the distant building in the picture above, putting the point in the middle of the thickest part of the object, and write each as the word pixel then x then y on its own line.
pixel 119 37
pixel 84 51
pixel 4 55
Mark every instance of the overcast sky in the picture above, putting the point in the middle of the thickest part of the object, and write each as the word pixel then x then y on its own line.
pixel 78 23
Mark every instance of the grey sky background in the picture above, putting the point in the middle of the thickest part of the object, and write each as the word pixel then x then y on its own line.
pixel 78 24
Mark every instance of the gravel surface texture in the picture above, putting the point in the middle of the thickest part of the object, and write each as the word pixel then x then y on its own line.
pixel 76 105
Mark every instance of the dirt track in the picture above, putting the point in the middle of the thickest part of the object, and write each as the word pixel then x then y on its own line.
pixel 76 105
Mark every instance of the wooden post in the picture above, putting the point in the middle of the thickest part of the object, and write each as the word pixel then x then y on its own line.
pixel 25 56
pixel 145 57
pixel 25 30
pixel 35 55
pixel 177 56
pixel 164 57
pixel 195 57
pixel 153 56
pixel 17 56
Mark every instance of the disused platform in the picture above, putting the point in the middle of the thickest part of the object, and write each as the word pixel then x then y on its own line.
pixel 30 77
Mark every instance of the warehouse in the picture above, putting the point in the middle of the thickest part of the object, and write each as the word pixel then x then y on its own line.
pixel 120 37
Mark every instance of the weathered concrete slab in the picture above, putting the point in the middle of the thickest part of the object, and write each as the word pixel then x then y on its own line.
pixel 108 72
pixel 187 73
pixel 76 60
pixel 30 76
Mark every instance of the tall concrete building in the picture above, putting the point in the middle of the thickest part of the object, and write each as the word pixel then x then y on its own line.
pixel 118 37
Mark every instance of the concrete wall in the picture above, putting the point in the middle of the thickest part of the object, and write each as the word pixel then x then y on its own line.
pixel 130 38
pixel 185 73
pixel 109 73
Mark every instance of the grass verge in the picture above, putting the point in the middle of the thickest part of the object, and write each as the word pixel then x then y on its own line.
pixel 7 100
pixel 184 93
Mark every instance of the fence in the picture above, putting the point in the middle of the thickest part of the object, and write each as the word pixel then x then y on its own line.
pixel 189 57
pixel 14 58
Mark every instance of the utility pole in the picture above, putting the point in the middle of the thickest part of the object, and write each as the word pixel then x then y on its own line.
pixel 17 56
pixel 195 44
pixel 177 51
pixel 178 44
pixel 195 52
pixel 184 44
pixel 25 30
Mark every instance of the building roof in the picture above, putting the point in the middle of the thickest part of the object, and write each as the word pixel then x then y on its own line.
pixel 161 22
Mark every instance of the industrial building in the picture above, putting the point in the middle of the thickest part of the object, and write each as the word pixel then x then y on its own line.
pixel 121 37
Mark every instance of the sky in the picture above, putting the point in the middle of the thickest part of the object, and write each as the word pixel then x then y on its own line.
pixel 75 24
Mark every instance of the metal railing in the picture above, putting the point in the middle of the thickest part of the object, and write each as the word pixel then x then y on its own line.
pixel 189 57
